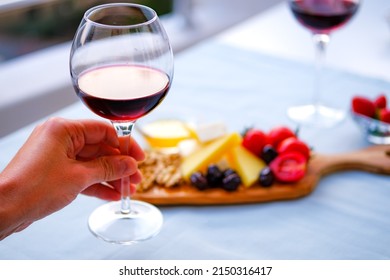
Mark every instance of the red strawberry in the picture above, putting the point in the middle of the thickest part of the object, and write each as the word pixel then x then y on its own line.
pixel 384 115
pixel 364 106
pixel 293 144
pixel 254 140
pixel 278 134
pixel 380 102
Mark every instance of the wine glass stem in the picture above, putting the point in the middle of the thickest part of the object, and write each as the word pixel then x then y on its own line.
pixel 124 130
pixel 320 43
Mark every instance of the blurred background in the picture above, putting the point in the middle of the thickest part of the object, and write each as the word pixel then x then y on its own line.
pixel 35 40
pixel 30 25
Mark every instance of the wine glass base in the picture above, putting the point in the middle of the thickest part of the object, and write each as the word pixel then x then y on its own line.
pixel 108 223
pixel 316 115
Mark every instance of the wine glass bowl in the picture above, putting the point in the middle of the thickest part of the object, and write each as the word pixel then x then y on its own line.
pixel 121 65
pixel 321 17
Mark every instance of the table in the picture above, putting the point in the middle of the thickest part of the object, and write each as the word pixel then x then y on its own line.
pixel 346 217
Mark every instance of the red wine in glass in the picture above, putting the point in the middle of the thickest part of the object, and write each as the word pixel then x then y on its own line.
pixel 325 16
pixel 122 92
pixel 121 65
pixel 321 17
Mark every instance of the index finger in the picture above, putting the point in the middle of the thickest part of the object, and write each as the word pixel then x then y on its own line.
pixel 134 149
pixel 95 132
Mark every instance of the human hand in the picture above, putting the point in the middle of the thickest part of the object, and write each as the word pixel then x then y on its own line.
pixel 59 160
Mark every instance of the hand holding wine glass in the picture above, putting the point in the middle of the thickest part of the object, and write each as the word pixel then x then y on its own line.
pixel 321 17
pixel 122 66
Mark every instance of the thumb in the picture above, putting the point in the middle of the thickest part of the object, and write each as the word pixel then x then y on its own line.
pixel 109 168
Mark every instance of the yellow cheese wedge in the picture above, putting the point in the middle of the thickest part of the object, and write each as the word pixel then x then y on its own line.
pixel 210 153
pixel 247 165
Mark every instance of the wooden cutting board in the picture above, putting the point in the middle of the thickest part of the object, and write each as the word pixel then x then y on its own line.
pixel 374 159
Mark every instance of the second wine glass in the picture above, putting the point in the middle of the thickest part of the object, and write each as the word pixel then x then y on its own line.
pixel 121 66
pixel 321 17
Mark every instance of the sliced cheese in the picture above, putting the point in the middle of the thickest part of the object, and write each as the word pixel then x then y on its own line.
pixel 210 131
pixel 166 133
pixel 247 165
pixel 212 152
pixel 187 147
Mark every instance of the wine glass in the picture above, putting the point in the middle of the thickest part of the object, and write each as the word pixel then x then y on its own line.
pixel 121 66
pixel 321 17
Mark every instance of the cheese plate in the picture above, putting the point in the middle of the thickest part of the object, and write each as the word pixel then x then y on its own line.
pixel 375 159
